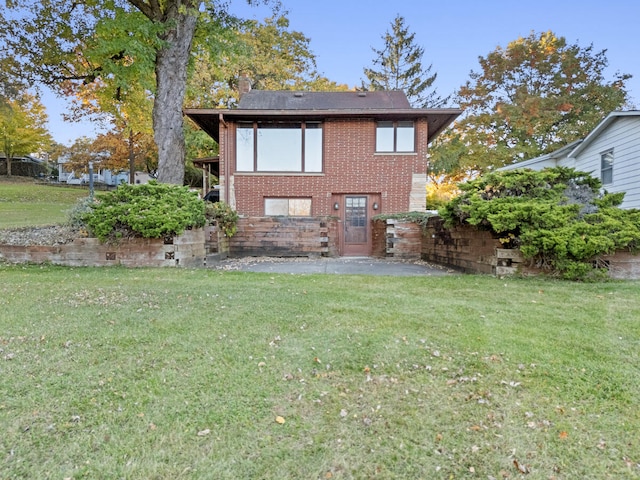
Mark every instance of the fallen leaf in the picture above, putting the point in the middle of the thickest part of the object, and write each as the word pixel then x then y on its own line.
pixel 152 426
pixel 204 433
pixel 328 475
pixel 520 467
pixel 563 435
pixel 280 420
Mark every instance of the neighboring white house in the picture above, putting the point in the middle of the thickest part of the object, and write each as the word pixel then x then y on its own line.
pixel 101 175
pixel 610 152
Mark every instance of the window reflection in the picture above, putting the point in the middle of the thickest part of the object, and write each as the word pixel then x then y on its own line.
pixel 278 147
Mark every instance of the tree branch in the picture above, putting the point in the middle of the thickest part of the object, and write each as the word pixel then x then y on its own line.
pixel 150 9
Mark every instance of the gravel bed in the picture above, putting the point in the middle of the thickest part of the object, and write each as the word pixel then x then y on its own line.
pixel 49 235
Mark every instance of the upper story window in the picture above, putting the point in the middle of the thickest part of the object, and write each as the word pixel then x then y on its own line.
pixel 398 136
pixel 606 167
pixel 279 147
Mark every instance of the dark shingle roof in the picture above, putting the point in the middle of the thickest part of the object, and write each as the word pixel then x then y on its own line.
pixel 289 100
pixel 266 105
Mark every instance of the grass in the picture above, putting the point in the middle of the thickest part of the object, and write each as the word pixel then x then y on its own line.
pixel 114 373
pixel 24 204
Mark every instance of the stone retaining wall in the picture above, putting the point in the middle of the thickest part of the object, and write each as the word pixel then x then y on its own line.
pixel 462 248
pixel 186 250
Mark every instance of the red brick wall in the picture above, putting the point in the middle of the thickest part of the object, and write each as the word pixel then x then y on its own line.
pixel 350 166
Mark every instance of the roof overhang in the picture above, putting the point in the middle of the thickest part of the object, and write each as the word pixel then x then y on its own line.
pixel 600 127
pixel 209 119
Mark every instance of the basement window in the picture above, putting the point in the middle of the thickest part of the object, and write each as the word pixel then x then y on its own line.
pixel 287 207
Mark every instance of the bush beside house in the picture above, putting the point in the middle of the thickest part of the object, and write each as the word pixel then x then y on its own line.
pixel 557 217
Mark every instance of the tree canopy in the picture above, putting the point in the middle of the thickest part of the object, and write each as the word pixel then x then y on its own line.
pixel 398 66
pixel 22 126
pixel 134 63
pixel 123 45
pixel 528 99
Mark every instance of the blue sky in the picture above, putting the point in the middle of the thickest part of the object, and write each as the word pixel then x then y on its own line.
pixel 453 35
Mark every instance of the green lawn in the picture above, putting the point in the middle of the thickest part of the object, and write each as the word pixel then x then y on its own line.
pixel 200 374
pixel 25 203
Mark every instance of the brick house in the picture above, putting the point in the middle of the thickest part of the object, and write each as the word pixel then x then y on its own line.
pixel 349 155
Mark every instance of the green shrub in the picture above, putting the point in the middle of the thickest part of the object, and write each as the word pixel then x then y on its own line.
pixel 76 216
pixel 152 210
pixel 557 217
pixel 225 216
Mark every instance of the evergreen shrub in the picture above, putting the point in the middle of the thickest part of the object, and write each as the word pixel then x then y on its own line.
pixel 151 210
pixel 558 217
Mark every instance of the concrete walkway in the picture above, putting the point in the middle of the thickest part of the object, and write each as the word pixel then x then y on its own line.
pixel 339 265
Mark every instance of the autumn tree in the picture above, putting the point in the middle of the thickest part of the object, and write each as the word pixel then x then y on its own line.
pixel 268 53
pixel 57 43
pixel 398 66
pixel 22 126
pixel 126 150
pixel 528 99
pixel 79 154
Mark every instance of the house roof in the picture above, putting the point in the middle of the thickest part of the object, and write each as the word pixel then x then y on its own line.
pixel 269 105
pixel 609 119
pixel 555 156
pixel 286 100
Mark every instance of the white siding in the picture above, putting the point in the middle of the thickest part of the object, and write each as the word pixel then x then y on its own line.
pixel 623 136
pixel 537 163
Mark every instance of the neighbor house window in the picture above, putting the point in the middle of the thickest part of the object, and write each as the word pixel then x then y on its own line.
pixel 288 207
pixel 279 147
pixel 395 136
pixel 606 167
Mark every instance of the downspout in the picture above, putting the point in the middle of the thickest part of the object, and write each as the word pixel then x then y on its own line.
pixel 227 180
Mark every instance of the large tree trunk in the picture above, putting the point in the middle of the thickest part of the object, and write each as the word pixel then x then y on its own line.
pixel 171 79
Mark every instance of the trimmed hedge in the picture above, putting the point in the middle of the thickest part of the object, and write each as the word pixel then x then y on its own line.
pixel 152 210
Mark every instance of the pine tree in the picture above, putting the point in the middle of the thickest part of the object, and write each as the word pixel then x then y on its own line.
pixel 399 67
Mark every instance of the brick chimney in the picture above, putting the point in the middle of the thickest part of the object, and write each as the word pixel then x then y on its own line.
pixel 244 85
